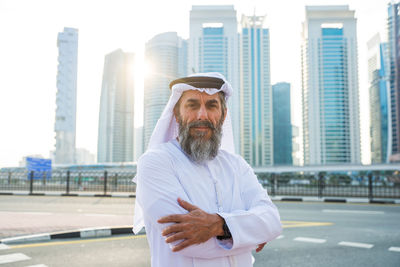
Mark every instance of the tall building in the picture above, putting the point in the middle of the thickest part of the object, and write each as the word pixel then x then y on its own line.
pixel 256 119
pixel 331 124
pixel 167 55
pixel 378 78
pixel 84 157
pixel 213 47
pixel 394 54
pixel 282 124
pixel 115 138
pixel 67 72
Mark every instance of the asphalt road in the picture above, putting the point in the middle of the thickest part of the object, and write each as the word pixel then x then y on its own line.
pixel 315 234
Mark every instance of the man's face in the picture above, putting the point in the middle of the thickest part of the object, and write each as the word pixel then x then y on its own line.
pixel 200 117
pixel 200 106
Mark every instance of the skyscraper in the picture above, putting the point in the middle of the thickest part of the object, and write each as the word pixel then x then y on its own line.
pixel 116 130
pixel 331 125
pixel 213 47
pixel 256 121
pixel 394 54
pixel 378 78
pixel 67 72
pixel 282 124
pixel 166 53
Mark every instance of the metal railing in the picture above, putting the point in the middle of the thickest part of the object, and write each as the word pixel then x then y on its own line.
pixel 370 185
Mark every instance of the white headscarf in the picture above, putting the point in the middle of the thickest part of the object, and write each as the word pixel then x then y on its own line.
pixel 167 128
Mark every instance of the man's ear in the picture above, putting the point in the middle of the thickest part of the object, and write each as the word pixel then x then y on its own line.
pixel 176 113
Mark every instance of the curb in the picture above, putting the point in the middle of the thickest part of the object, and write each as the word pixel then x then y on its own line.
pixel 81 233
pixel 66 195
pixel 336 200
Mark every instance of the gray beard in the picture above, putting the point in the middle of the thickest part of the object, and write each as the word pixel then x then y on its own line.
pixel 197 147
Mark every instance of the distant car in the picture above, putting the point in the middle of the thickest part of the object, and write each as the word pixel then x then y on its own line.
pixel 299 182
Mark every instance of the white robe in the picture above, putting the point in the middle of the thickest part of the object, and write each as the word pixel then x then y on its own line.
pixel 225 185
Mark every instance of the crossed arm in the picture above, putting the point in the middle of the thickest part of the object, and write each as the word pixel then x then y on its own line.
pixel 195 227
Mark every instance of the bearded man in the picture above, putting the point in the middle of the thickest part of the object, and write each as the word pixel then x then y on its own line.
pixel 201 204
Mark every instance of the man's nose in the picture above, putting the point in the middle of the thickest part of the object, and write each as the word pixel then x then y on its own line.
pixel 202 113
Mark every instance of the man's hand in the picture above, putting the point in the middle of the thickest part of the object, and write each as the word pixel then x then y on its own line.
pixel 260 247
pixel 195 227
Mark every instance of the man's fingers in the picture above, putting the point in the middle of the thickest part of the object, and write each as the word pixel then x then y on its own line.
pixel 186 205
pixel 175 237
pixel 174 218
pixel 182 245
pixel 175 228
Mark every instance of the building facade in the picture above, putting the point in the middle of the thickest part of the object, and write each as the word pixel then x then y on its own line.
pixel 67 72
pixel 394 57
pixel 256 119
pixel 167 54
pixel 282 124
pixel 331 125
pixel 116 120
pixel 214 47
pixel 379 94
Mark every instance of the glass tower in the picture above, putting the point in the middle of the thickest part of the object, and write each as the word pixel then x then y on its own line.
pixel 331 131
pixel 67 75
pixel 394 55
pixel 116 118
pixel 378 77
pixel 282 124
pixel 255 93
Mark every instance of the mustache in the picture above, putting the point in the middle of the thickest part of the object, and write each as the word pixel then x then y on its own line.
pixel 201 124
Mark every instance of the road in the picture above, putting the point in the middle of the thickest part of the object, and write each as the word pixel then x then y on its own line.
pixel 315 234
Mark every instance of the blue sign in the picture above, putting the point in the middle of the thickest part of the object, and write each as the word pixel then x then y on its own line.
pixel 40 167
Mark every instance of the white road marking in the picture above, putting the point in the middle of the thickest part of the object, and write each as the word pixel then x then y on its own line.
pixel 310 240
pixel 4 246
pixel 13 258
pixel 98 214
pixel 355 244
pixel 37 265
pixel 280 237
pixel 355 211
pixel 395 249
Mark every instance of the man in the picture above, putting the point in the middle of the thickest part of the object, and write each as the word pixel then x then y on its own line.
pixel 201 204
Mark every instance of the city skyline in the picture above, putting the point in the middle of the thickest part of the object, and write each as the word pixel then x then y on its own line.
pixel 37 84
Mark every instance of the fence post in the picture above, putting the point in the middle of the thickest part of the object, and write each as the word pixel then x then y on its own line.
pixel 105 182
pixel 115 181
pixel 44 177
pixel 9 178
pixel 67 189
pixel 370 191
pixel 321 184
pixel 31 183
pixel 273 184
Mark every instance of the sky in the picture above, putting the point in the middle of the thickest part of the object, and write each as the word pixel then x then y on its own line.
pixel 28 58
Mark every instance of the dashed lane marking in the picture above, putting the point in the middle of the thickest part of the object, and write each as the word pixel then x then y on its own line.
pixel 4 246
pixel 280 237
pixel 291 224
pixel 13 258
pixel 355 244
pixel 37 265
pixel 310 240
pixel 395 249
pixel 370 212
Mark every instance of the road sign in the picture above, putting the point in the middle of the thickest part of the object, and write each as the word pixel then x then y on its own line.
pixel 40 167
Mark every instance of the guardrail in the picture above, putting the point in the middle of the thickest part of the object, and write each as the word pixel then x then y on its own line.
pixel 323 184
